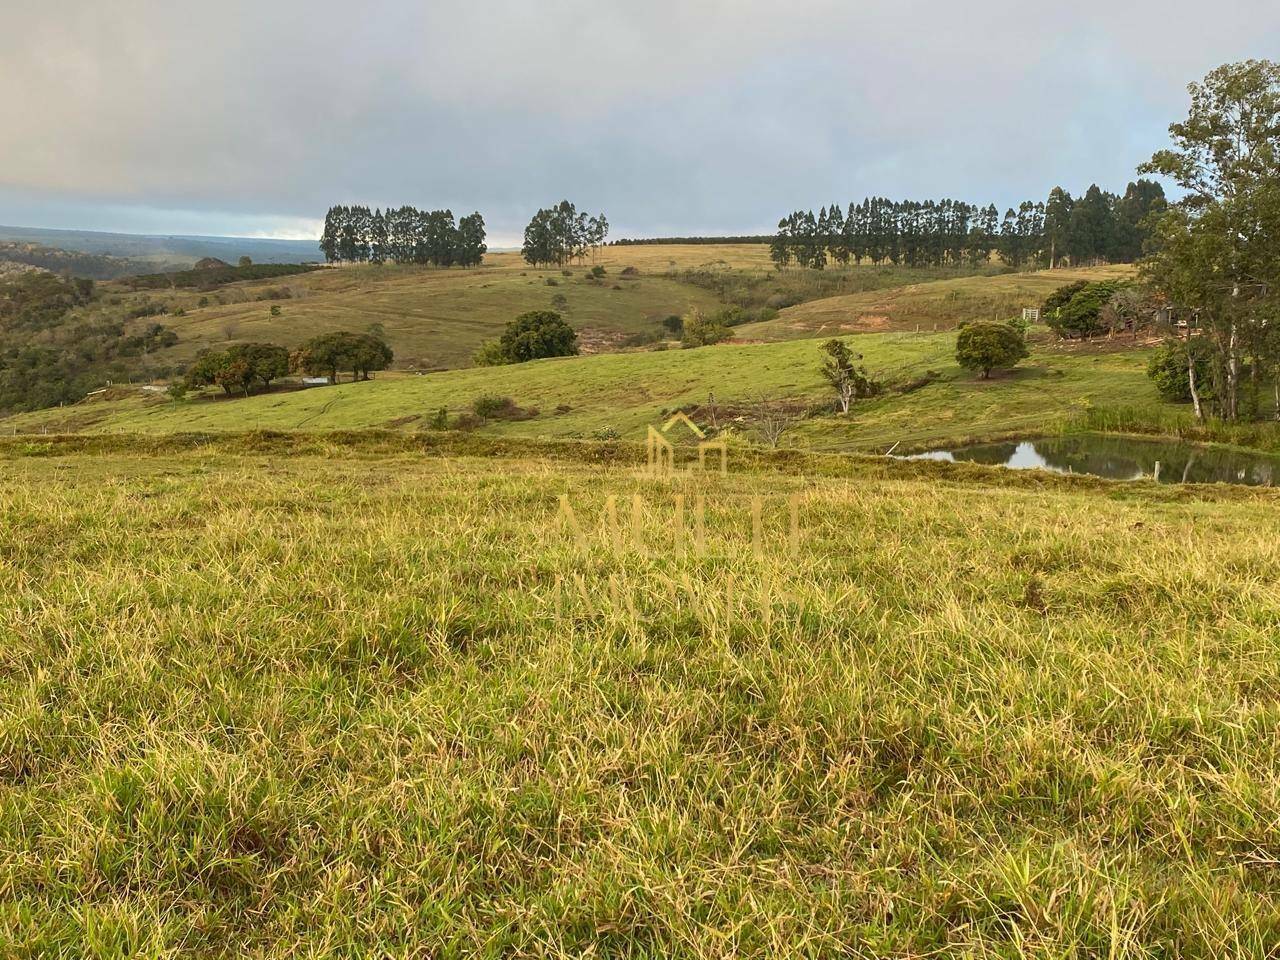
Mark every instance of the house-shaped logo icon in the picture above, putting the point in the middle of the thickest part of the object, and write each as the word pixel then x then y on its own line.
pixel 661 454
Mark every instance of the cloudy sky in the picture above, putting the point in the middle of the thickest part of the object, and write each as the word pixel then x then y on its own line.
pixel 250 117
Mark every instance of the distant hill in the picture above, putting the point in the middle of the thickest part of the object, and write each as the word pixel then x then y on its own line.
pixel 166 251
pixel 95 266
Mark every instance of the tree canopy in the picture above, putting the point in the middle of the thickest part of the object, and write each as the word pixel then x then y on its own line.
pixel 986 346
pixel 239 367
pixel 403 235
pixel 560 234
pixel 330 353
pixel 1100 226
pixel 1216 257
pixel 535 335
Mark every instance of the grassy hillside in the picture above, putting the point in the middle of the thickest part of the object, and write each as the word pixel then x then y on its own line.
pixel 624 392
pixel 437 318
pixel 326 703
pixel 432 318
pixel 940 304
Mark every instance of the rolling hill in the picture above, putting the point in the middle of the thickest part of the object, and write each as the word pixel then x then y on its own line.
pixel 436 318
pixel 928 398
pixel 938 304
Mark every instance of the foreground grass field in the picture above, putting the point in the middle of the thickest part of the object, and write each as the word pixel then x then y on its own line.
pixel 300 697
pixel 624 393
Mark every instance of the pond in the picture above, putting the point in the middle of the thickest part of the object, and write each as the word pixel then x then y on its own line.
pixel 1121 458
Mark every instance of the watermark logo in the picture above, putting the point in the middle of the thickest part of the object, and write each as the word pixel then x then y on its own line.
pixel 688 526
pixel 647 532
pixel 660 452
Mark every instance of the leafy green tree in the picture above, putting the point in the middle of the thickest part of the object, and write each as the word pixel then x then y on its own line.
pixel 1092 227
pixel 369 353
pixel 235 376
pixel 780 245
pixel 1081 316
pixel 1060 298
pixel 536 335
pixel 206 370
pixel 471 237
pixel 986 346
pixel 329 353
pixel 1010 243
pixel 265 362
pixel 378 240
pixel 849 380
pixel 1217 251
pixel 560 234
pixel 329 238
pixel 1143 202
pixel 239 367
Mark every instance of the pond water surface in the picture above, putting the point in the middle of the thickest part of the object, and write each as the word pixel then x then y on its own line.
pixel 1121 458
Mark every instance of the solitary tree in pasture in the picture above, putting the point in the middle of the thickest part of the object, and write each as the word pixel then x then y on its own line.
pixel 849 381
pixel 985 346
pixel 536 335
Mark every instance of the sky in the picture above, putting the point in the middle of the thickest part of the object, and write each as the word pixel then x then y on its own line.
pixel 672 117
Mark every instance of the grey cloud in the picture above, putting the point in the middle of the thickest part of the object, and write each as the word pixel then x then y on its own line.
pixel 670 116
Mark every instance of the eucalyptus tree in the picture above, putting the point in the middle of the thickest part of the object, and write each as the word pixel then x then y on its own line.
pixel 1217 255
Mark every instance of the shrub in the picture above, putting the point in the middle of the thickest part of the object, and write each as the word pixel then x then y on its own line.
pixel 560 302
pixel 439 420
pixel 598 271
pixel 275 310
pixel 489 406
pixel 988 346
pixel 642 339
pixel 1168 370
pixel 701 331
pixel 489 354
pixel 675 324
pixel 630 272
pixel 551 282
